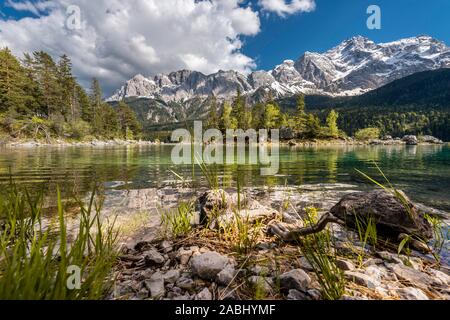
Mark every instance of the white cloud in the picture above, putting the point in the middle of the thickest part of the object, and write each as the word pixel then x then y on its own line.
pixel 119 39
pixel 285 7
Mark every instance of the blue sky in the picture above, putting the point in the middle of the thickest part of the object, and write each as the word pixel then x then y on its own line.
pixel 336 20
pixel 118 39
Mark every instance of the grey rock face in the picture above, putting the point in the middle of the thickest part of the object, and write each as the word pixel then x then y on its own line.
pixel 208 265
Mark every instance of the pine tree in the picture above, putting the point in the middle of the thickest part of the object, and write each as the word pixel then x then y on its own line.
pixel 272 116
pixel 312 126
pixel 301 116
pixel 84 104
pixel 258 116
pixel 13 96
pixel 96 106
pixel 129 125
pixel 46 73
pixel 241 113
pixel 67 82
pixel 333 129
pixel 227 121
pixel 213 118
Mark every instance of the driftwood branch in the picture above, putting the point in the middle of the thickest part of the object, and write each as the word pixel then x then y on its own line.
pixel 291 235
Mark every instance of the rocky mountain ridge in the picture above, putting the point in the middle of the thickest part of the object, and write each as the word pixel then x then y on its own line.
pixel 355 66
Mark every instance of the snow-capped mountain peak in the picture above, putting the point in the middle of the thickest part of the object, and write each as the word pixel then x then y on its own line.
pixel 355 66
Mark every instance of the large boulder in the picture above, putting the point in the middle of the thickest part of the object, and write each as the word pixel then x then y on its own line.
pixel 392 217
pixel 410 140
pixel 430 139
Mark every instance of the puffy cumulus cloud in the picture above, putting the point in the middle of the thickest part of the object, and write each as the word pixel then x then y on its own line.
pixel 118 39
pixel 285 7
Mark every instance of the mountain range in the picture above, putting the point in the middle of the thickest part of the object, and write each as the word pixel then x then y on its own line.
pixel 355 66
pixel 357 72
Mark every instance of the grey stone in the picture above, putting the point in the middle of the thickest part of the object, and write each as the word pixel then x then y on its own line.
pixel 205 294
pixel 296 295
pixel 390 257
pixel 153 258
pixel 410 293
pixel 166 246
pixel 156 286
pixel 430 139
pixel 416 278
pixel 314 294
pixel 183 256
pixel 295 279
pixel 304 264
pixel 171 276
pixel 185 283
pixel 208 265
pixel 410 140
pixel 443 277
pixel 225 276
pixel 345 265
pixel 372 262
pixel 362 279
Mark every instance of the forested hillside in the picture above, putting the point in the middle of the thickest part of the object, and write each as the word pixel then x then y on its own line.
pixel 417 104
pixel 41 98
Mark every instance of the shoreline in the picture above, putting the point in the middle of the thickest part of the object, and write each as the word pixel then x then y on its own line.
pixel 31 143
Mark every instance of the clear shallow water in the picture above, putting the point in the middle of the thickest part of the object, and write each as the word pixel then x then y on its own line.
pixel 423 172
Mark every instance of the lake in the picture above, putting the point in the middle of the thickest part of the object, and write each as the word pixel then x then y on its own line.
pixel 423 172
